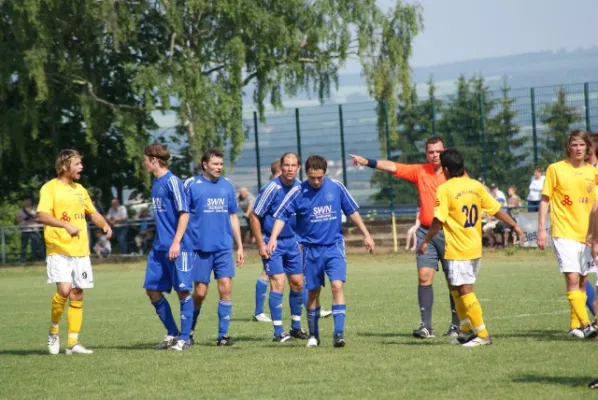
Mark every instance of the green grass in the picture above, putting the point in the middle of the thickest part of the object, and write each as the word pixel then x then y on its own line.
pixel 522 296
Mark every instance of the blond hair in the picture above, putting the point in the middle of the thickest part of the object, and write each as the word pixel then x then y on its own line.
pixel 579 134
pixel 64 158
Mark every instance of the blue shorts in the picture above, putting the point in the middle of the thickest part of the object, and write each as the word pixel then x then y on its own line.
pixel 221 262
pixel 286 259
pixel 162 274
pixel 329 259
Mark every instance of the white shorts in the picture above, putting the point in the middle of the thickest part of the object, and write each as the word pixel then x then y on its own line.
pixel 573 256
pixel 74 270
pixel 463 272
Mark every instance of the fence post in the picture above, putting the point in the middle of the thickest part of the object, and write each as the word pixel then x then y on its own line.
pixel 3 234
pixel 586 98
pixel 342 126
pixel 482 134
pixel 387 134
pixel 433 102
pixel 532 96
pixel 257 151
pixel 298 127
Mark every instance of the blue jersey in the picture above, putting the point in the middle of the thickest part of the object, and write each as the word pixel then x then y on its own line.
pixel 267 202
pixel 318 211
pixel 168 201
pixel 210 204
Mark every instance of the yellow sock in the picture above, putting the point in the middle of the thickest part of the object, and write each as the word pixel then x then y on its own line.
pixel 578 306
pixel 464 323
pixel 75 319
pixel 57 310
pixel 474 313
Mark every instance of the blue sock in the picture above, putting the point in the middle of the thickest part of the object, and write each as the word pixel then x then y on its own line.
pixel 275 302
pixel 196 311
pixel 338 313
pixel 186 317
pixel 224 314
pixel 261 287
pixel 313 318
pixel 305 297
pixel 165 313
pixel 591 294
pixel 295 302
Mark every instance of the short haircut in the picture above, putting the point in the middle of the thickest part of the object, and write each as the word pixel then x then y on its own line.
pixel 275 167
pixel 64 158
pixel 452 160
pixel 316 162
pixel 434 140
pixel 538 168
pixel 290 153
pixel 209 154
pixel 514 187
pixel 159 151
pixel 579 134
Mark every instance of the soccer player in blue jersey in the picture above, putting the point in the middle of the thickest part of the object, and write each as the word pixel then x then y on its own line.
pixel 213 224
pixel 169 263
pixel 318 203
pixel 287 258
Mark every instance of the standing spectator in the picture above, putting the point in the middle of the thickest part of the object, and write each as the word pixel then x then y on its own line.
pixel 117 218
pixel 103 247
pixel 27 220
pixel 143 239
pixel 513 204
pixel 535 190
pixel 245 201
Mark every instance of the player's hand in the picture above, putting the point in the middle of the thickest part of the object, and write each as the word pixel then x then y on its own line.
pixel 72 230
pixel 107 231
pixel 520 233
pixel 423 248
pixel 240 256
pixel 271 247
pixel 369 244
pixel 359 160
pixel 262 250
pixel 175 251
pixel 542 239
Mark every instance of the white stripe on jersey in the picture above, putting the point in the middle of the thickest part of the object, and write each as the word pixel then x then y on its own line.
pixel 173 181
pixel 188 181
pixel 287 200
pixel 270 188
pixel 355 205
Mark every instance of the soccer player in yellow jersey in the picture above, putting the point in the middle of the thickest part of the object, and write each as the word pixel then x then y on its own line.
pixel 62 207
pixel 460 202
pixel 570 193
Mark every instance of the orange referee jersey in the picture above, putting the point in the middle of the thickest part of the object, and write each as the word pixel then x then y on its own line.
pixel 427 182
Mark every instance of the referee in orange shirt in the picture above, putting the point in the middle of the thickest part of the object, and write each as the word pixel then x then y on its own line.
pixel 427 177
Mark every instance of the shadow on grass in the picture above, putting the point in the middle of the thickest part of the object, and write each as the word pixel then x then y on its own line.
pixel 416 343
pixel 23 352
pixel 550 335
pixel 572 381
pixel 384 334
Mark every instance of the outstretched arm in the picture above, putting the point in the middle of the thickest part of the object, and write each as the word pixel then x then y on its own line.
pixel 382 165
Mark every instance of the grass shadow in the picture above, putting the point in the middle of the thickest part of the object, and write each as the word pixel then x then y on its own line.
pixel 24 353
pixel 572 381
pixel 384 334
pixel 551 335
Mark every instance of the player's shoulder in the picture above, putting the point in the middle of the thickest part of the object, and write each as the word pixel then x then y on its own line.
pixel 51 184
pixel 270 186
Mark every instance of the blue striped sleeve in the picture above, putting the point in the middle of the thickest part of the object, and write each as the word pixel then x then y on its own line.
pixel 288 205
pixel 264 199
pixel 178 194
pixel 348 204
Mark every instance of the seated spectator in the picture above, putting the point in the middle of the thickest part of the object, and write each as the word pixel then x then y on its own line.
pixel 102 248
pixel 535 190
pixel 144 237
pixel 498 194
pixel 513 204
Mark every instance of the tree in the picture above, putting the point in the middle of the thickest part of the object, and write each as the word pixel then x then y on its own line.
pixel 558 117
pixel 76 69
pixel 507 162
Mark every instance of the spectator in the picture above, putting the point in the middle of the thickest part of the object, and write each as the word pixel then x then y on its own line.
pixel 513 204
pixel 245 201
pixel 493 229
pixel 28 225
pixel 483 182
pixel 535 190
pixel 143 239
pixel 274 169
pixel 117 218
pixel 102 248
pixel 498 194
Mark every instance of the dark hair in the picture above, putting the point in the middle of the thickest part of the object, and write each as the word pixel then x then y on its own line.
pixel 159 151
pixel 434 140
pixel 537 168
pixel 452 160
pixel 290 153
pixel 316 162
pixel 209 154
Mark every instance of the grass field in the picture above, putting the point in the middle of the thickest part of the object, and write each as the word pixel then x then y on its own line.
pixel 522 296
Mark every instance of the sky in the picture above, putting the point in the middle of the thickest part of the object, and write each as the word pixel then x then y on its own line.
pixel 457 30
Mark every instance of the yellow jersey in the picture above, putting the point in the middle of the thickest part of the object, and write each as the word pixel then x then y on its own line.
pixel 572 192
pixel 69 203
pixel 460 203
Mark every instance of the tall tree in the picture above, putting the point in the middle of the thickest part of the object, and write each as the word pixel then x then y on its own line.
pixel 558 117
